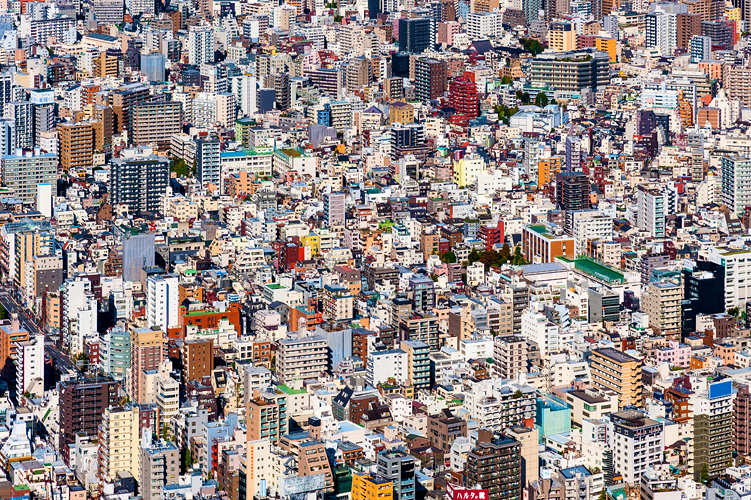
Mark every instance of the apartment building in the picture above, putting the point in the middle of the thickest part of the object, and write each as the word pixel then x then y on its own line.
pixel 155 123
pixel 82 404
pixel 118 439
pixel 301 358
pixel 198 358
pixel 713 428
pixel 495 465
pixel 639 441
pixel 617 371
pixel 662 303
pixel 511 356
pixel 159 465
pixel 146 353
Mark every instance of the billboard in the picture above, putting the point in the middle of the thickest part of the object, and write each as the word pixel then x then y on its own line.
pixel 468 494
pixel 721 389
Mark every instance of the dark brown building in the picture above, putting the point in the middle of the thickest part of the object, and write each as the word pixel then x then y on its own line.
pixel 742 421
pixel 350 405
pixel 431 79
pixel 444 428
pixel 82 403
pixel 572 191
pixel 198 359
pixel 495 464
pixel 687 26
pixel 123 101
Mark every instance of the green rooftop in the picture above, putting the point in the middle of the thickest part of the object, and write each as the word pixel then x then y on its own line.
pixel 598 270
pixel 275 286
pixel 540 229
pixel 290 391
pixel 199 313
pixel 292 153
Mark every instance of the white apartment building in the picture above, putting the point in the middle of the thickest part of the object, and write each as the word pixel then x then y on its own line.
pixel 537 328
pixel 562 374
pixel 30 366
pixel 383 365
pixel 650 215
pixel 483 25
pixel 476 348
pixel 496 405
pixel 167 392
pixel 162 301
pixel 201 45
pixel 736 182
pixel 737 264
pixel 637 443
pixel 302 358
pixel 590 226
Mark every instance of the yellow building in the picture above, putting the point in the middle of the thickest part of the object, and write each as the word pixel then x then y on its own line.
pixel 401 112
pixel 313 241
pixel 733 14
pixel 607 45
pixel 467 169
pixel 119 439
pixel 562 37
pixel 366 487
pixel 546 170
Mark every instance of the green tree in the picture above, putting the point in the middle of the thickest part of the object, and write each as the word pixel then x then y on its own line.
pixel 734 311
pixel 448 257
pixel 541 100
pixel 603 494
pixel 525 98
pixel 506 251
pixel 3 312
pixel 532 46
pixel 506 80
pixel 518 259
pixel 187 460
pixel 704 474
pixel 474 256
pixel 180 167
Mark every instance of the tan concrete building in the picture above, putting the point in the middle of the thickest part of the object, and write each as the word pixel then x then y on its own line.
pixel 617 371
pixel 77 143
pixel 155 123
pixel 119 440
pixel 529 438
pixel 562 37
pixel 662 303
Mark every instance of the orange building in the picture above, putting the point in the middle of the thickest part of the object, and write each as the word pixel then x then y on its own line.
pixel 262 353
pixel 191 291
pixel 209 318
pixel 539 246
pixel 607 45
pixel 239 184
pixel 709 117
pixel 712 68
pixel 546 170
pixel 311 316
pixel 10 333
pixel 686 111
pixel 367 487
